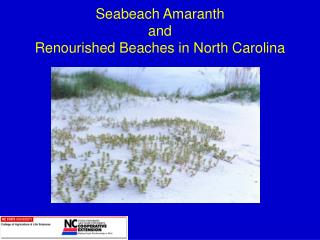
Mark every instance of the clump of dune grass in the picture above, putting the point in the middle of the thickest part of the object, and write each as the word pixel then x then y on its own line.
pixel 244 92
pixel 87 83
pixel 239 85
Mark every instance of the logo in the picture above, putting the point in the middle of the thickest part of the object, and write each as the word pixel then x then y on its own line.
pixel 70 227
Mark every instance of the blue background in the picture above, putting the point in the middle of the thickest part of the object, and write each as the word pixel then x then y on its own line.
pixel 289 118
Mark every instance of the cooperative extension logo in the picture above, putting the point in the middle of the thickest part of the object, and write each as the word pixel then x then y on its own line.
pixel 70 227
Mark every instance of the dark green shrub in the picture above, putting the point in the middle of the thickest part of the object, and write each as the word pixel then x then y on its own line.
pixel 86 83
